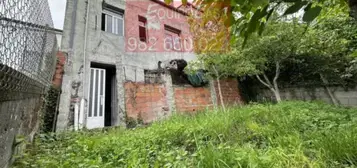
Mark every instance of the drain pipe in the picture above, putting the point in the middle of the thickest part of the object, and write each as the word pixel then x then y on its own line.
pixel 81 115
pixel 74 20
pixel 76 116
pixel 82 102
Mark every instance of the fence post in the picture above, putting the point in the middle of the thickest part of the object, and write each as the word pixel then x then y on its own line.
pixel 43 55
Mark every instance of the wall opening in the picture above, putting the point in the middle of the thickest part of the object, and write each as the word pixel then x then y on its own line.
pixel 153 76
pixel 110 91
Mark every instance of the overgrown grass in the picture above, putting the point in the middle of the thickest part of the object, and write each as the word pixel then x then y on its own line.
pixel 291 134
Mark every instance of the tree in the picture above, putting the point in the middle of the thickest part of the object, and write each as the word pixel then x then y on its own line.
pixel 282 40
pixel 323 51
pixel 225 64
pixel 276 46
pixel 327 50
pixel 245 17
pixel 262 54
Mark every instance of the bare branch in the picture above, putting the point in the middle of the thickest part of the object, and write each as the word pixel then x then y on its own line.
pixel 267 79
pixel 260 80
pixel 219 89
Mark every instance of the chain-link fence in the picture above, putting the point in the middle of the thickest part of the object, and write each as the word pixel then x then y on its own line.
pixel 27 48
pixel 27 63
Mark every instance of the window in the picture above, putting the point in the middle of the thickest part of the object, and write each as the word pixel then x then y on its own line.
pixel 113 22
pixel 142 29
pixel 172 38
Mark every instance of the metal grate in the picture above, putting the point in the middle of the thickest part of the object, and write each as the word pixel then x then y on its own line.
pixel 27 48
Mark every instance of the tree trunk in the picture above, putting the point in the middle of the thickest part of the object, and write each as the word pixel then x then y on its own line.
pixel 332 97
pixel 275 81
pixel 219 88
pixel 273 87
pixel 277 95
pixel 268 84
pixel 220 94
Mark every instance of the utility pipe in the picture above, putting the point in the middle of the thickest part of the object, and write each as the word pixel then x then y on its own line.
pixel 76 116
pixel 85 61
pixel 81 114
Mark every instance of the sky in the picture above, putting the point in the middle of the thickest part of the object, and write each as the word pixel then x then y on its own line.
pixel 58 8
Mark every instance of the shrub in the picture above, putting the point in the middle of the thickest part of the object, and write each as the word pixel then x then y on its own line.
pixel 50 110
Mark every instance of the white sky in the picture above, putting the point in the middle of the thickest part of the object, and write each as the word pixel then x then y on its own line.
pixel 58 8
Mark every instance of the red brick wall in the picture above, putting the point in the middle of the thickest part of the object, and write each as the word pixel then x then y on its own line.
pixel 230 92
pixel 191 99
pixel 57 77
pixel 145 101
pixel 148 102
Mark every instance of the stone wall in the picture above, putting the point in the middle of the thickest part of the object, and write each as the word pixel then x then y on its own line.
pixel 19 120
pixel 346 97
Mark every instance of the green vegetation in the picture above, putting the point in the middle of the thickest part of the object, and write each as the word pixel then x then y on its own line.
pixel 251 16
pixel 50 109
pixel 291 52
pixel 289 134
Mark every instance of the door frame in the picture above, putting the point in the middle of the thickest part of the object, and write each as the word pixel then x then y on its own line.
pixel 96 117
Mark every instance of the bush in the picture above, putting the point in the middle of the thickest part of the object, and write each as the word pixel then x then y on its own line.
pixel 49 110
pixel 290 134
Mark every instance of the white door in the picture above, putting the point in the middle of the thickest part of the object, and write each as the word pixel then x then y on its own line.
pixel 95 117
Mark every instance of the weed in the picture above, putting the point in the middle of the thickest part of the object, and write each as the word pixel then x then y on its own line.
pixel 289 134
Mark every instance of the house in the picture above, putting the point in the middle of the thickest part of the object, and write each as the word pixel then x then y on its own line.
pixel 115 71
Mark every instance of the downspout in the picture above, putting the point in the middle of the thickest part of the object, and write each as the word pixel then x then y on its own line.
pixel 73 24
pixel 81 113
pixel 76 110
pixel 82 102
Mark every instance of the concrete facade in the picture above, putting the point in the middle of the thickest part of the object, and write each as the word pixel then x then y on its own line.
pixel 85 42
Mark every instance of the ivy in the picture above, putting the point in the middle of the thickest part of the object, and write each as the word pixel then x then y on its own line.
pixel 50 109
